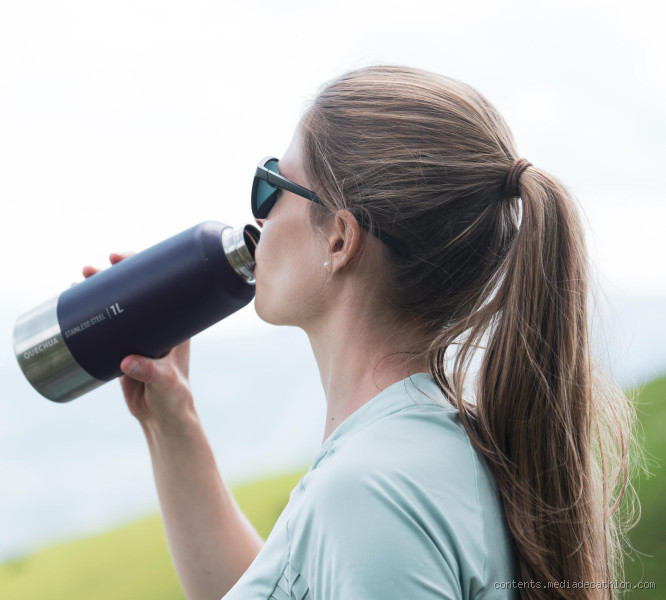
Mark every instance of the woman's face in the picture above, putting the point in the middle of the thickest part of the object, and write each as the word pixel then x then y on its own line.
pixel 290 256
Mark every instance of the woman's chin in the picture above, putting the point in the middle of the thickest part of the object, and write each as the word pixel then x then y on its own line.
pixel 273 317
pixel 265 313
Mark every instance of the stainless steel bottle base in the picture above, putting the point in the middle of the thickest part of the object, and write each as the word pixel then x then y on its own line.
pixel 44 357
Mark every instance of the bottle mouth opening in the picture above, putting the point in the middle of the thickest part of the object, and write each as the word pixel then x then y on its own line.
pixel 251 237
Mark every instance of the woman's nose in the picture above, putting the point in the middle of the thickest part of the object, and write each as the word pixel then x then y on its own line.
pixel 260 222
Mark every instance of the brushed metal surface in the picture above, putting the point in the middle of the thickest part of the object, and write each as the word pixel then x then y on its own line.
pixel 44 357
pixel 239 256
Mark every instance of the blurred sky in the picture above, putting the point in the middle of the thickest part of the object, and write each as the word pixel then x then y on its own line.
pixel 122 123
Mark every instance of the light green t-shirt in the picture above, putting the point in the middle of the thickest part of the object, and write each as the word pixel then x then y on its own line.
pixel 397 505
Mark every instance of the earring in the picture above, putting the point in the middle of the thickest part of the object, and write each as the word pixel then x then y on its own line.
pixel 327 266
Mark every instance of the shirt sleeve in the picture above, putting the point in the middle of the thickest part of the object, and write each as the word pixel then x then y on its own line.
pixel 363 536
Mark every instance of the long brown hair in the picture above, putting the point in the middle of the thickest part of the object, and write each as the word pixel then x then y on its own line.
pixel 425 159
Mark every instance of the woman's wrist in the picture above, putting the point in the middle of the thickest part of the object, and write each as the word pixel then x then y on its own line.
pixel 170 424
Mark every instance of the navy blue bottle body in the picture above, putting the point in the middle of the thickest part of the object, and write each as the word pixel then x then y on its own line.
pixel 145 304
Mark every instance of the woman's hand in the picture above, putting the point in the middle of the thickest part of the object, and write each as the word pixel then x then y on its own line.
pixel 157 391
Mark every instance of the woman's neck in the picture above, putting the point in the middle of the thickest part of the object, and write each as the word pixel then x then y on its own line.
pixel 358 357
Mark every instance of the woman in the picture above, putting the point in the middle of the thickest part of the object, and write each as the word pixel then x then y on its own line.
pixel 403 233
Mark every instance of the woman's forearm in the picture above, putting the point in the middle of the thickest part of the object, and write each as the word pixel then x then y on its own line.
pixel 211 542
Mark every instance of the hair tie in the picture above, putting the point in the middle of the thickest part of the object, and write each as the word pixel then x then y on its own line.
pixel 511 183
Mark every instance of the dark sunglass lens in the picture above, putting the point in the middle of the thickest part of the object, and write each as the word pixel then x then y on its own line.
pixel 266 193
pixel 266 197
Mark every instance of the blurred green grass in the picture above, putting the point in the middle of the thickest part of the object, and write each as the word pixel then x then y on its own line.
pixel 133 563
pixel 128 563
pixel 648 538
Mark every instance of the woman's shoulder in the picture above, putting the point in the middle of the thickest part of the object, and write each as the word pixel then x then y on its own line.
pixel 419 456
pixel 406 486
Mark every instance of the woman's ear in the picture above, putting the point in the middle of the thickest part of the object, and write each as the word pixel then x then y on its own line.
pixel 344 240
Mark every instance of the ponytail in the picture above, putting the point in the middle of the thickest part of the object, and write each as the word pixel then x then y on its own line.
pixel 537 417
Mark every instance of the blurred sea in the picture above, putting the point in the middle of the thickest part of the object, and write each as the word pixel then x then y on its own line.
pixel 78 468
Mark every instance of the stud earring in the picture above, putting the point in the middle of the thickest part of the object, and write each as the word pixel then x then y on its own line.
pixel 327 266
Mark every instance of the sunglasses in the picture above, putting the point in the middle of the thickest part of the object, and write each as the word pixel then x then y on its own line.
pixel 266 190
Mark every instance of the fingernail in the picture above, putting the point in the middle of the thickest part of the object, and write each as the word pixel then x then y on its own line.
pixel 130 366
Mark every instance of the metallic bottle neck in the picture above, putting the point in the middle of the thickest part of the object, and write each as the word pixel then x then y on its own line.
pixel 239 245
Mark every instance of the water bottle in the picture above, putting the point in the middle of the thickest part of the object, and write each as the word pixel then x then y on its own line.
pixel 146 305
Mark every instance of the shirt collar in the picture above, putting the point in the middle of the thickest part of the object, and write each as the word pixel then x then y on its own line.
pixel 418 389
